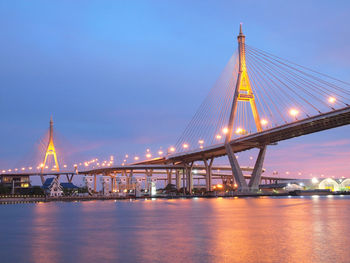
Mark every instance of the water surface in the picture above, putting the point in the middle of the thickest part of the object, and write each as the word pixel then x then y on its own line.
pixel 178 230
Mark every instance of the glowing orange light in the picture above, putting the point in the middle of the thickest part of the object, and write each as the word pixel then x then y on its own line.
pixel 294 112
pixel 200 141
pixel 160 152
pixel 172 149
pixel 263 122
pixel 225 130
pixel 185 145
pixel 201 146
pixel 239 130
pixel 219 185
pixel 218 136
pixel 148 155
pixel 332 99
pixel 136 158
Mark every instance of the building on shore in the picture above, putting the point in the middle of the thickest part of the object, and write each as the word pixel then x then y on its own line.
pixel 52 187
pixel 17 183
pixel 333 185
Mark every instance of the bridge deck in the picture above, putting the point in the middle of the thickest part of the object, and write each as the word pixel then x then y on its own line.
pixel 306 126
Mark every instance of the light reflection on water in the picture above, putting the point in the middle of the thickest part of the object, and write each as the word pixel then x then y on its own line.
pixel 178 230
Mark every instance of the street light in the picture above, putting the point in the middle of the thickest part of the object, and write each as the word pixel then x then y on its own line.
pixel 332 99
pixel 294 113
pixel 239 131
pixel 263 122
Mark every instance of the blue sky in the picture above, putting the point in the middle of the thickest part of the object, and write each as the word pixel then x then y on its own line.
pixel 122 76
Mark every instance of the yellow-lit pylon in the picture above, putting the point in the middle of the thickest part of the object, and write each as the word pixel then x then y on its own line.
pixel 50 150
pixel 243 90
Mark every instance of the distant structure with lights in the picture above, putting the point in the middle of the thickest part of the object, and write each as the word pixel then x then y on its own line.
pixel 50 151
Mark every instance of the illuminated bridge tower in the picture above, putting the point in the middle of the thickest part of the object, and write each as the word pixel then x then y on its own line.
pixel 50 150
pixel 243 92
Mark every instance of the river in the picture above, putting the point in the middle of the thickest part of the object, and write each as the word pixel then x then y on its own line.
pixel 285 229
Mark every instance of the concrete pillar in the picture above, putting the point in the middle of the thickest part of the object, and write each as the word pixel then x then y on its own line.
pixel 146 182
pixel 112 183
pixel 257 171
pixel 236 170
pixel 183 181
pixel 95 183
pixel 189 177
pixel 178 179
pixel 169 173
pixel 208 175
pixel 42 178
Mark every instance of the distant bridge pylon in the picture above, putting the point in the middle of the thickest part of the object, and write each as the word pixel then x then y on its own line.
pixel 50 151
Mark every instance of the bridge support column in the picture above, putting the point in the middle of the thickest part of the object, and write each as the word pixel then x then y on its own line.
pixel 236 170
pixel 189 177
pixel 95 179
pixel 69 179
pixel 42 178
pixel 178 179
pixel 208 175
pixel 169 173
pixel 184 181
pixel 257 171
pixel 112 183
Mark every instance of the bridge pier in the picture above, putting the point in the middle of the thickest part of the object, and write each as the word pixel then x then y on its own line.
pixel 95 183
pixel 178 179
pixel 208 176
pixel 257 171
pixel 69 179
pixel 189 177
pixel 236 170
pixel 148 174
pixel 237 173
pixel 42 178
pixel 169 173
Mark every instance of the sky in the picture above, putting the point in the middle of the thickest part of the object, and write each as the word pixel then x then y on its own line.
pixel 119 77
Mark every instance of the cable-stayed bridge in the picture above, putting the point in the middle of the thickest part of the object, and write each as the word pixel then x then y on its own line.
pixel 259 100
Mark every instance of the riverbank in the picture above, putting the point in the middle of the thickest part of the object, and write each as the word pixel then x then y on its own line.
pixel 30 199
